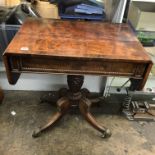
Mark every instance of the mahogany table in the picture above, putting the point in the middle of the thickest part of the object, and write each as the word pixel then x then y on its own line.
pixel 77 48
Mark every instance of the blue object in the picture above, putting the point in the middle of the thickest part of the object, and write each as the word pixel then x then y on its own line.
pixel 90 7
pixel 84 8
pixel 95 17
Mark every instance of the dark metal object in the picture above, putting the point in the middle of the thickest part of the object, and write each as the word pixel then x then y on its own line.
pixel 126 105
pixel 138 111
pixel 139 107
pixel 143 111
pixel 74 96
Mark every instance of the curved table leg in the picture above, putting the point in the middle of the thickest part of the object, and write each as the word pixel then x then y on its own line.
pixel 84 106
pixel 63 105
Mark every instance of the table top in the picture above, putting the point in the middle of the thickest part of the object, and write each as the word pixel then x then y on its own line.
pixel 77 39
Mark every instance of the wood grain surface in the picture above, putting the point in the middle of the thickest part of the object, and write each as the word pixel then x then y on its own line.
pixel 77 39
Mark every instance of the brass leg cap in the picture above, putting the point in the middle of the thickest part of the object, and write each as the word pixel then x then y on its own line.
pixel 107 133
pixel 36 133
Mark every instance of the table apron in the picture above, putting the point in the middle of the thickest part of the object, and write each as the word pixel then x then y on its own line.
pixel 77 66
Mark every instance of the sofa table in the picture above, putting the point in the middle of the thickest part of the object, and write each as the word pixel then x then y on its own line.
pixel 76 48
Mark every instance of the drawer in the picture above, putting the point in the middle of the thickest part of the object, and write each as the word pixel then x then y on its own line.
pixel 76 66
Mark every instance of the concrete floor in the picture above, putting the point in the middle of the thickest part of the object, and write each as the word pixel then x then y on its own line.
pixel 72 135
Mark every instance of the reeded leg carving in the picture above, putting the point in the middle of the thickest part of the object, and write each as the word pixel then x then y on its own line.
pixel 63 105
pixel 84 106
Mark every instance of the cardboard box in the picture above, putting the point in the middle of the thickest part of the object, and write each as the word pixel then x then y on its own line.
pixel 10 3
pixel 47 10
pixel 142 16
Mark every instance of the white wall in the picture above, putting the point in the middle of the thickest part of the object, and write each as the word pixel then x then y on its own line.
pixel 46 82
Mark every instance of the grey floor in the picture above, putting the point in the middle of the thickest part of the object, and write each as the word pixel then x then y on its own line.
pixel 72 135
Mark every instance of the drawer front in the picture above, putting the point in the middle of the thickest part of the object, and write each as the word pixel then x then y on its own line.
pixel 77 66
